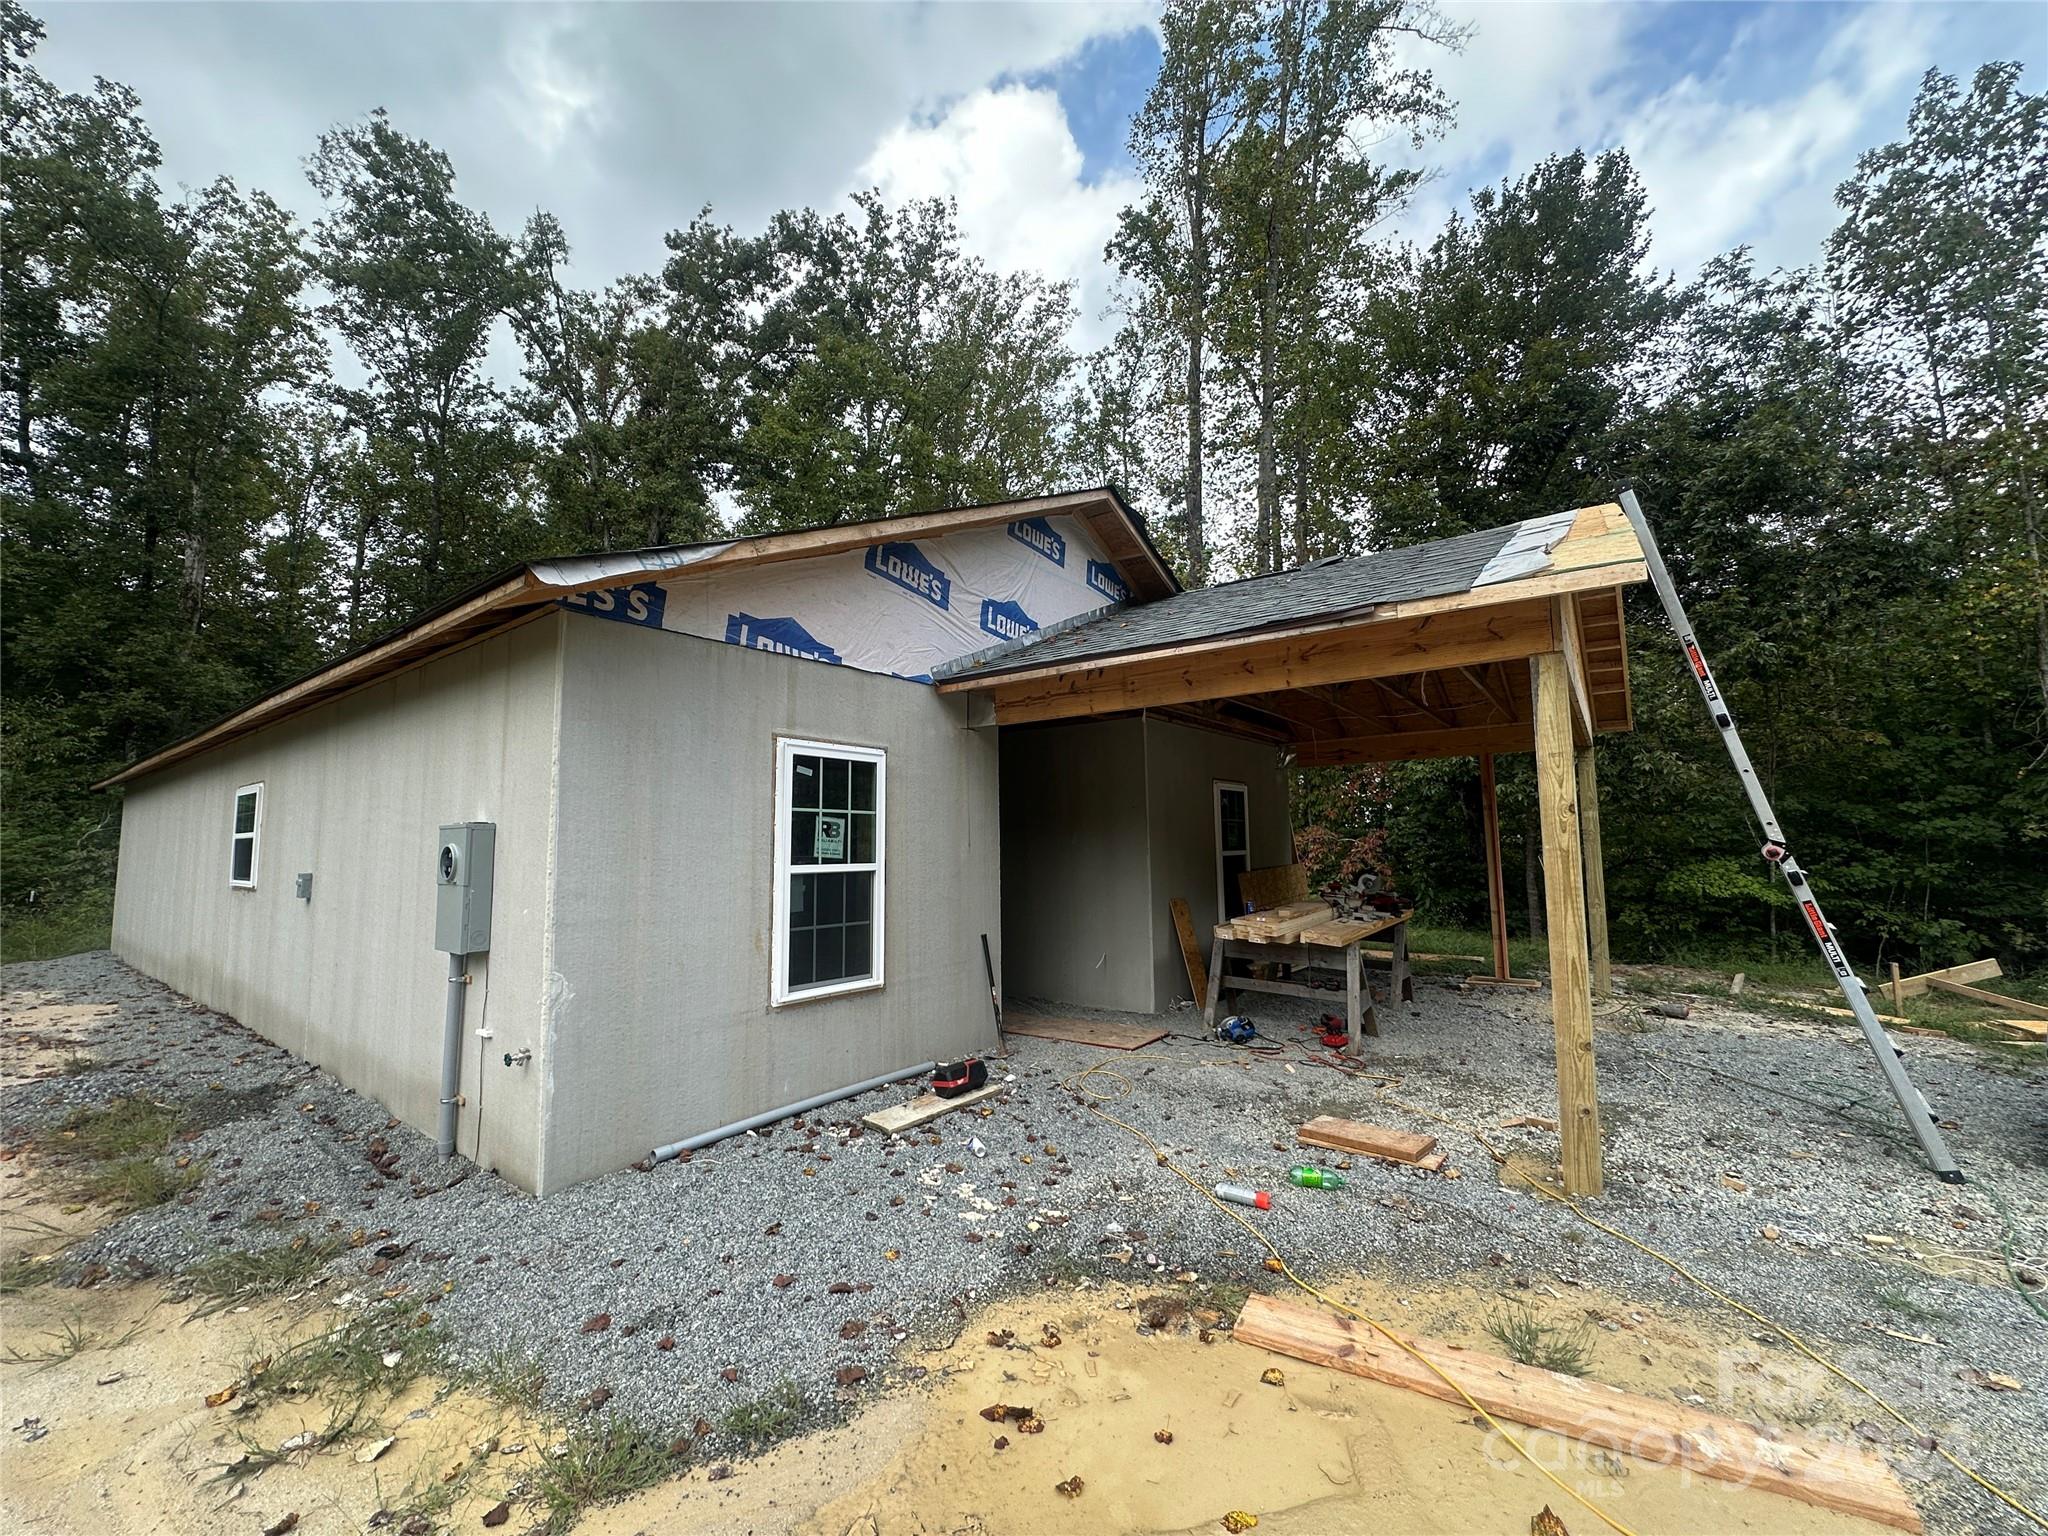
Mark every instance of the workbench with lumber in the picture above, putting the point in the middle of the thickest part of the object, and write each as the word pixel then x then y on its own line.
pixel 1301 934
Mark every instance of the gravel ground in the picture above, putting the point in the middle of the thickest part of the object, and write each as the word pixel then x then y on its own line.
pixel 810 1249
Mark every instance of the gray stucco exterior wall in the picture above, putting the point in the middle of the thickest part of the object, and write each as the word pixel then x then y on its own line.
pixel 1104 823
pixel 355 793
pixel 658 994
pixel 1076 892
pixel 1182 768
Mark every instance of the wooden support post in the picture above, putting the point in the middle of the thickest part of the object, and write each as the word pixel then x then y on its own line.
pixel 1596 875
pixel 1564 893
pixel 1496 882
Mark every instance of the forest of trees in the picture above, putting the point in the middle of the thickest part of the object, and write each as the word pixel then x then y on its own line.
pixel 236 445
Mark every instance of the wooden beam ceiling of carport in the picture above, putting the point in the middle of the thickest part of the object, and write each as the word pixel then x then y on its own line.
pixel 1425 684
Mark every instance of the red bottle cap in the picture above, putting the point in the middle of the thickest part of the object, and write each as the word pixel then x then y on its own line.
pixel 1264 1202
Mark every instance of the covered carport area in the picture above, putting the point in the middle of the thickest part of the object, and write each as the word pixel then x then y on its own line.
pixel 1506 640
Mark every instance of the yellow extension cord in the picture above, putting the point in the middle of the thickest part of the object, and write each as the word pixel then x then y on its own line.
pixel 1380 1090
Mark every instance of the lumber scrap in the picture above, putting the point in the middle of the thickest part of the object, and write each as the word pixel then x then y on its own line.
pixel 1917 986
pixel 1273 886
pixel 1949 988
pixel 1843 1477
pixel 1110 1034
pixel 1280 925
pixel 1190 949
pixel 1340 931
pixel 1366 1140
pixel 2030 1029
pixel 926 1107
pixel 1840 1013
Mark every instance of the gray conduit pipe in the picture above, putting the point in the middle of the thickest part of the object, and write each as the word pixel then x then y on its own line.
pixel 802 1106
pixel 451 1052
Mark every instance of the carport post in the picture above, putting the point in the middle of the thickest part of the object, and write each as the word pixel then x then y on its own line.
pixel 1596 875
pixel 1564 893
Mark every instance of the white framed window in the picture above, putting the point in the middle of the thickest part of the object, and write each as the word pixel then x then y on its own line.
pixel 245 841
pixel 830 805
pixel 1233 846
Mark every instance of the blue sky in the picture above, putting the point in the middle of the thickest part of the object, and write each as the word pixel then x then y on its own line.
pixel 623 120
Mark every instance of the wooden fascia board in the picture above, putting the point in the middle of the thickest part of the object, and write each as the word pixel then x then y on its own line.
pixel 1409 746
pixel 1268 664
pixel 434 637
pixel 1134 561
pixel 1501 594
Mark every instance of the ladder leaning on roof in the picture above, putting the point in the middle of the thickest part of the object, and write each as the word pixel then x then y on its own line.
pixel 1777 854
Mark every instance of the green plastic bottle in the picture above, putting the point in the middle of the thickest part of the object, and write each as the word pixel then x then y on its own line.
pixel 1306 1177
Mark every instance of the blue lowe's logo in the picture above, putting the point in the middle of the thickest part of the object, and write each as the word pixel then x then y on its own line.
pixel 783 636
pixel 1005 620
pixel 1037 535
pixel 1103 578
pixel 906 565
pixel 641 603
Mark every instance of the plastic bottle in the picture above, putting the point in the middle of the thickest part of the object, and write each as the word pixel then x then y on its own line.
pixel 1237 1194
pixel 1305 1177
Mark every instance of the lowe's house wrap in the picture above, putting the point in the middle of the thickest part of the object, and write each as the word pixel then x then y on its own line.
pixel 898 608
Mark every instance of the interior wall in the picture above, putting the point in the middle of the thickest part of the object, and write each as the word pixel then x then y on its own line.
pixel 1076 885
pixel 1182 767
pixel 355 793
pixel 659 1018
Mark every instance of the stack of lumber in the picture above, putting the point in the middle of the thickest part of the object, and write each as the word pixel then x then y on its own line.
pixel 1306 922
pixel 1279 925
pixel 1955 982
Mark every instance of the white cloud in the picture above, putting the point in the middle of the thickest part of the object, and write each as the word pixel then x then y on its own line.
pixel 1719 173
pixel 1008 158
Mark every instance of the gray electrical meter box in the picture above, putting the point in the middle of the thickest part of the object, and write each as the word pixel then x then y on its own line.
pixel 462 887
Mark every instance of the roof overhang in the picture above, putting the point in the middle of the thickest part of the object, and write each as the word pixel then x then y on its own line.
pixel 1442 676
pixel 525 592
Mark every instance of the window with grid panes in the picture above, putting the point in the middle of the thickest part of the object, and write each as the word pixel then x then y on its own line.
pixel 829 862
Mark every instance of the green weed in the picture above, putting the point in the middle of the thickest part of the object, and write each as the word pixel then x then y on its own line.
pixel 768 1418
pixel 599 1462
pixel 125 1128
pixel 37 933
pixel 1532 1341
pixel 510 1378
pixel 233 1277
pixel 139 1183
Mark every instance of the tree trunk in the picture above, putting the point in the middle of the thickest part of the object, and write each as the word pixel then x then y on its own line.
pixel 1193 534
pixel 1532 873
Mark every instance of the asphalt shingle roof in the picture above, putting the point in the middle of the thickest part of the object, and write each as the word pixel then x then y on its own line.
pixel 1325 589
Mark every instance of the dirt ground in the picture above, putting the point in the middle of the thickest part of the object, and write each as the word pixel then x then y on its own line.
pixel 110 1431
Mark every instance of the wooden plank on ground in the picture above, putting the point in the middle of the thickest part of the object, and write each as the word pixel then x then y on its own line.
pixel 1273 886
pixel 1915 986
pixel 1842 1477
pixel 2033 1029
pixel 1843 1013
pixel 1190 950
pixel 1367 1140
pixel 1989 999
pixel 1107 1033
pixel 927 1107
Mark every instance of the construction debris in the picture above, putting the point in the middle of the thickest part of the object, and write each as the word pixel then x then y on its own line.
pixel 1367 1140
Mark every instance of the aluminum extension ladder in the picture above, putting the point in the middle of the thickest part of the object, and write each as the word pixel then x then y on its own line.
pixel 1778 855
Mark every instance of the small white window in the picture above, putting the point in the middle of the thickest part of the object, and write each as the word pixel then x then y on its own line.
pixel 247 838
pixel 829 816
pixel 1233 846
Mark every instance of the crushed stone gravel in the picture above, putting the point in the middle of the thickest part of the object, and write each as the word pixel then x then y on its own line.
pixel 1760 1150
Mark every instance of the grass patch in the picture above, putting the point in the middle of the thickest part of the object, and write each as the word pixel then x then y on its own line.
pixel 377 1352
pixel 772 1416
pixel 139 1183
pixel 510 1378
pixel 24 1272
pixel 77 1064
pixel 67 1343
pixel 600 1463
pixel 1532 1341
pixel 232 1277
pixel 1906 1306
pixel 50 933
pixel 124 1128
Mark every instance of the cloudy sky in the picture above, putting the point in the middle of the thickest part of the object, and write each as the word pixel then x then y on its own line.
pixel 625 119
